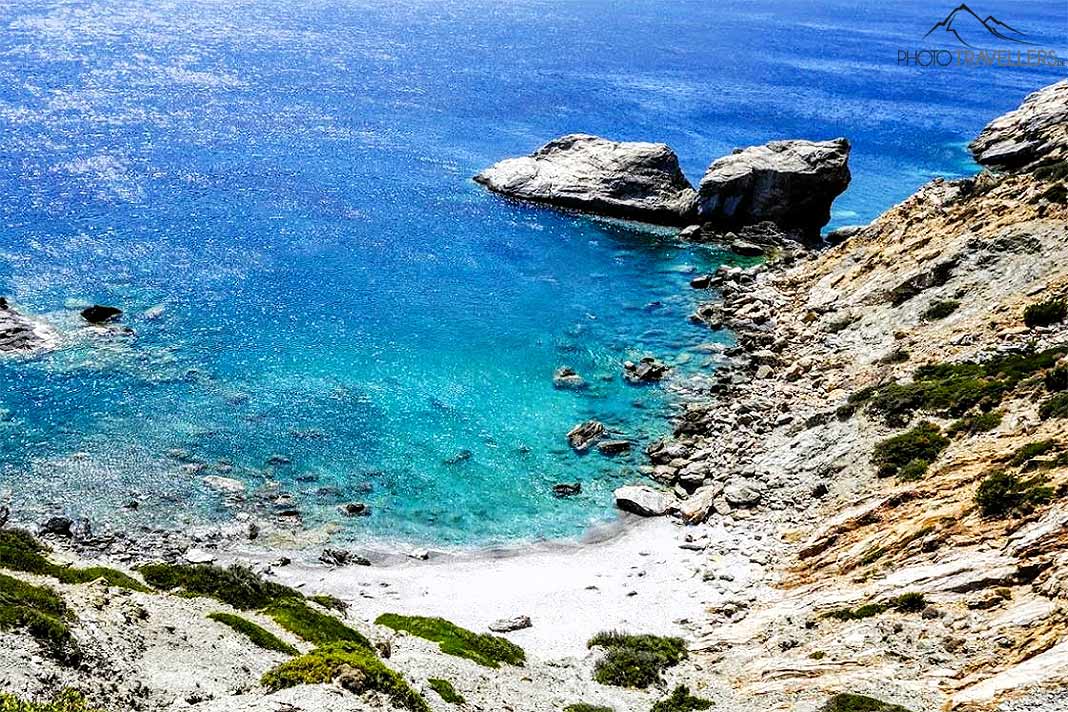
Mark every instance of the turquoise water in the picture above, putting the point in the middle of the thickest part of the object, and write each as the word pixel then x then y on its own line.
pixel 323 304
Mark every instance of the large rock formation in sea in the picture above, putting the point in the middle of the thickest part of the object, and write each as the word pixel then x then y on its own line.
pixel 1035 133
pixel 789 183
pixel 636 181
pixel 19 334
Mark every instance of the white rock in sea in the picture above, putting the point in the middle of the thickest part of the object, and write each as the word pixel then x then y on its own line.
pixel 224 484
pixel 636 181
pixel 19 334
pixel 644 500
pixel 789 183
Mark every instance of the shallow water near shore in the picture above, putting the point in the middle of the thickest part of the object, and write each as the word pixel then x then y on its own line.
pixel 326 308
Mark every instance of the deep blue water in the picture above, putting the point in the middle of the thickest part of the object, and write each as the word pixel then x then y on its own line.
pixel 285 187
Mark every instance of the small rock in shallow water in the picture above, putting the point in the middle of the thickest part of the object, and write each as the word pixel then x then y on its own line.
pixel 585 434
pixel 613 447
pixel 99 314
pixel 509 625
pixel 355 509
pixel 648 370
pixel 58 526
pixel 568 378
pixel 567 490
pixel 461 456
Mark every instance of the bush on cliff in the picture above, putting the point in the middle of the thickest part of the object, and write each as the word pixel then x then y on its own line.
pixel 848 702
pixel 353 666
pixel 445 691
pixel 940 309
pixel 976 423
pixel 484 649
pixel 1057 379
pixel 635 660
pixel 909 454
pixel 20 551
pixel 1028 452
pixel 259 636
pixel 1047 313
pixel 681 700
pixel 1002 494
pixel 1055 407
pixel 42 614
pixel 65 701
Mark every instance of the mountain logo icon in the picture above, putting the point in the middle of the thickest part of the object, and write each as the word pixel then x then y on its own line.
pixel 971 30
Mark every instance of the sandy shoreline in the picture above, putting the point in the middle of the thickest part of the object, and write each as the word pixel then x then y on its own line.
pixel 639 578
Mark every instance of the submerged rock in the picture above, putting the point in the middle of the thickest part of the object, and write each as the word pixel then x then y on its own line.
pixel 567 378
pixel 613 447
pixel 99 314
pixel 1036 132
pixel 585 434
pixel 565 489
pixel 644 500
pixel 637 181
pixel 355 509
pixel 790 183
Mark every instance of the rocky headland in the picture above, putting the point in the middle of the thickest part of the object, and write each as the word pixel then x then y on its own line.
pixel 864 509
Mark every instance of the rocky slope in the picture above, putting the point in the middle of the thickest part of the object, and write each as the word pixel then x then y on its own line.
pixel 826 552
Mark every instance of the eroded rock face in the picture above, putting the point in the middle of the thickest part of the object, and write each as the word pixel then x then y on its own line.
pixel 638 181
pixel 1036 132
pixel 789 183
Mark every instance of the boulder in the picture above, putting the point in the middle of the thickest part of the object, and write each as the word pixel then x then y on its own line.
pixel 583 435
pixel 789 183
pixel 341 557
pixel 740 493
pixel 1035 133
pixel 645 501
pixel 355 509
pixel 510 625
pixel 57 526
pixel 568 378
pixel 636 181
pixel 648 370
pixel 99 314
pixel 565 489
pixel 613 447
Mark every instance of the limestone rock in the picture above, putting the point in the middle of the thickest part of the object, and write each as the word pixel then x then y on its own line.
pixel 583 435
pixel 510 625
pixel 638 181
pixel 790 183
pixel 1036 132
pixel 643 500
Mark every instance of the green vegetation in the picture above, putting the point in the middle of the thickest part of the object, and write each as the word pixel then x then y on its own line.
pixel 1002 494
pixel 583 707
pixel 332 602
pixel 1057 379
pixel 66 701
pixel 237 586
pixel 1055 407
pixel 976 423
pixel 484 649
pixel 895 356
pixel 259 636
pixel 1056 193
pixel 1028 452
pixel 246 590
pixel 847 702
pixel 817 655
pixel 681 700
pixel 635 660
pixel 940 309
pixel 910 453
pixel 298 618
pixel 951 390
pixel 40 612
pixel 905 603
pixel 1053 171
pixel 1051 311
pixel 840 324
pixel 355 667
pixel 446 691
pixel 20 551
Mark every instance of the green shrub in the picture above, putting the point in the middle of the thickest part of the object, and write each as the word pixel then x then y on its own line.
pixel 583 707
pixel 910 452
pixel 913 602
pixel 308 624
pixel 1056 193
pixel 1051 311
pixel 847 702
pixel 681 700
pixel 446 691
pixel 1002 494
pixel 1032 450
pixel 1055 407
pixel 237 586
pixel 355 667
pixel 484 649
pixel 327 601
pixel 20 551
pixel 1057 379
pixel 895 356
pixel 1052 171
pixel 259 636
pixel 940 309
pixel 635 660
pixel 905 603
pixel 977 423
pixel 65 701
pixel 40 612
